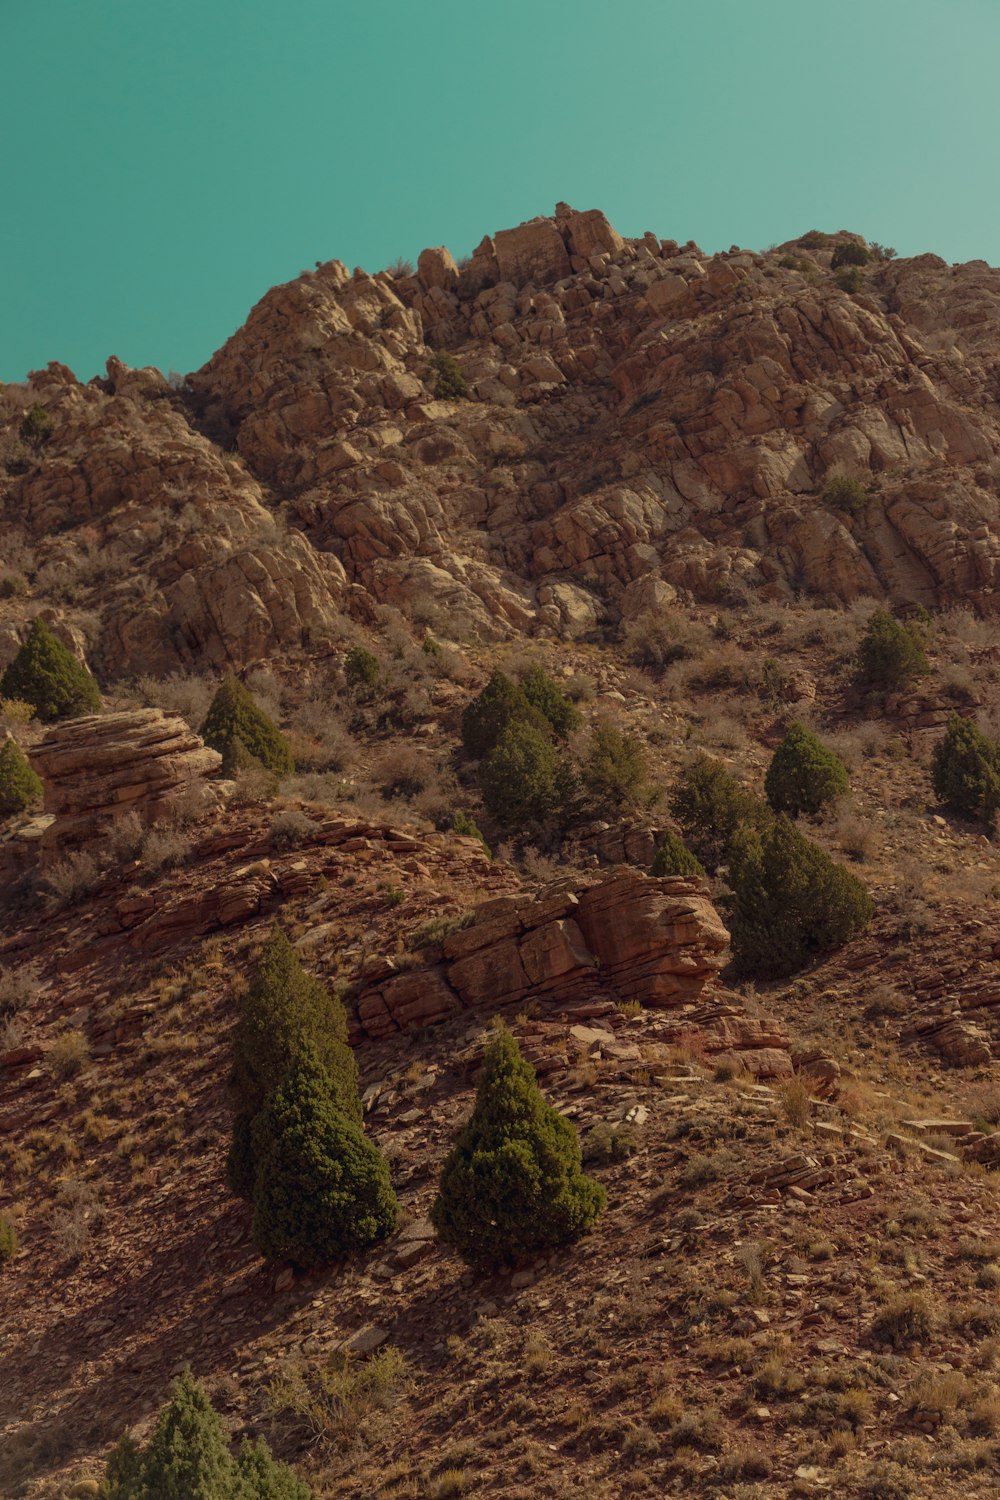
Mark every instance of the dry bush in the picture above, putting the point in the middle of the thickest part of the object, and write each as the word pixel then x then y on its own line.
pixel 290 828
pixel 72 878
pixel 340 1402
pixel 796 1103
pixel 853 833
pixel 68 1054
pixel 320 788
pixel 13 1030
pixel 186 693
pixel 656 641
pixel 165 847
pixel 19 986
pixel 722 731
pixel 401 771
pixel 124 837
pixel 75 1215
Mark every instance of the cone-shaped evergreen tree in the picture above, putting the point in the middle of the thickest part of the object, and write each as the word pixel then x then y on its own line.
pixel 243 734
pixel 188 1456
pixel 513 1185
pixel 19 786
pixel 283 1010
pixel 710 805
pixel 261 1477
pixel 791 902
pixel 674 858
pixel 322 1189
pixel 804 774
pixel 965 770
pixel 49 677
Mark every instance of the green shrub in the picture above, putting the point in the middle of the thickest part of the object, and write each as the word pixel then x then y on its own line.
pixel 19 785
pixel 965 770
pixel 468 828
pixel 283 1011
pixel 188 1458
pixel 13 586
pixel 814 239
pixel 844 493
pixel 49 677
pixel 362 668
pixel 710 805
pixel 449 382
pixel 891 655
pixel 322 1189
pixel 243 734
pixel 849 279
pixel 614 774
pixel 500 704
pixel 513 1185
pixel 36 427
pixel 543 694
pixel 804 775
pixel 850 253
pixel 674 858
pixel 524 781
pixel 791 902
pixel 8 1239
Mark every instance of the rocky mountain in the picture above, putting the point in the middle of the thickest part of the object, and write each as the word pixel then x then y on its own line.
pixel 666 493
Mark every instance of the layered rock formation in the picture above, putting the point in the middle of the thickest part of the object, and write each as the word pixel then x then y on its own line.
pixel 97 767
pixel 624 937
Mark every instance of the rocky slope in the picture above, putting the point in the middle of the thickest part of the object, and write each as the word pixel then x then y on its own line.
pixel 794 1288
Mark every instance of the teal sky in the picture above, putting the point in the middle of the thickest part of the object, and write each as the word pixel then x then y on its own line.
pixel 168 160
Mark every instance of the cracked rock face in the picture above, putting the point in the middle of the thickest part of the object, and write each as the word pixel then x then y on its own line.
pixel 95 768
pixel 646 424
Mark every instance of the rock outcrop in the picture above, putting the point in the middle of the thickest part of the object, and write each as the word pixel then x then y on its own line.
pixel 646 423
pixel 624 937
pixel 95 768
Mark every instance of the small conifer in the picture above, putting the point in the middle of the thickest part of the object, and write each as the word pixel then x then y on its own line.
pixel 19 785
pixel 188 1458
pixel 322 1190
pixel 283 1010
pixel 614 773
pixel 891 655
pixel 523 780
pixel 49 677
pixel 542 693
pixel 804 774
pixel 674 858
pixel 243 734
pixel 710 805
pixel 965 770
pixel 500 704
pixel 513 1185
pixel 791 902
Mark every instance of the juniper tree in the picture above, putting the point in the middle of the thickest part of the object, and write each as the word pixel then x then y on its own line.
pixel 283 1010
pixel 710 806
pixel 47 675
pixel 321 1189
pixel 243 734
pixel 791 902
pixel 674 858
pixel 513 1185
pixel 804 774
pixel 965 770
pixel 500 704
pixel 19 785
pixel 523 780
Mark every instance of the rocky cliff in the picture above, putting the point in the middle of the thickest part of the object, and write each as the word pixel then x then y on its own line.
pixel 644 422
